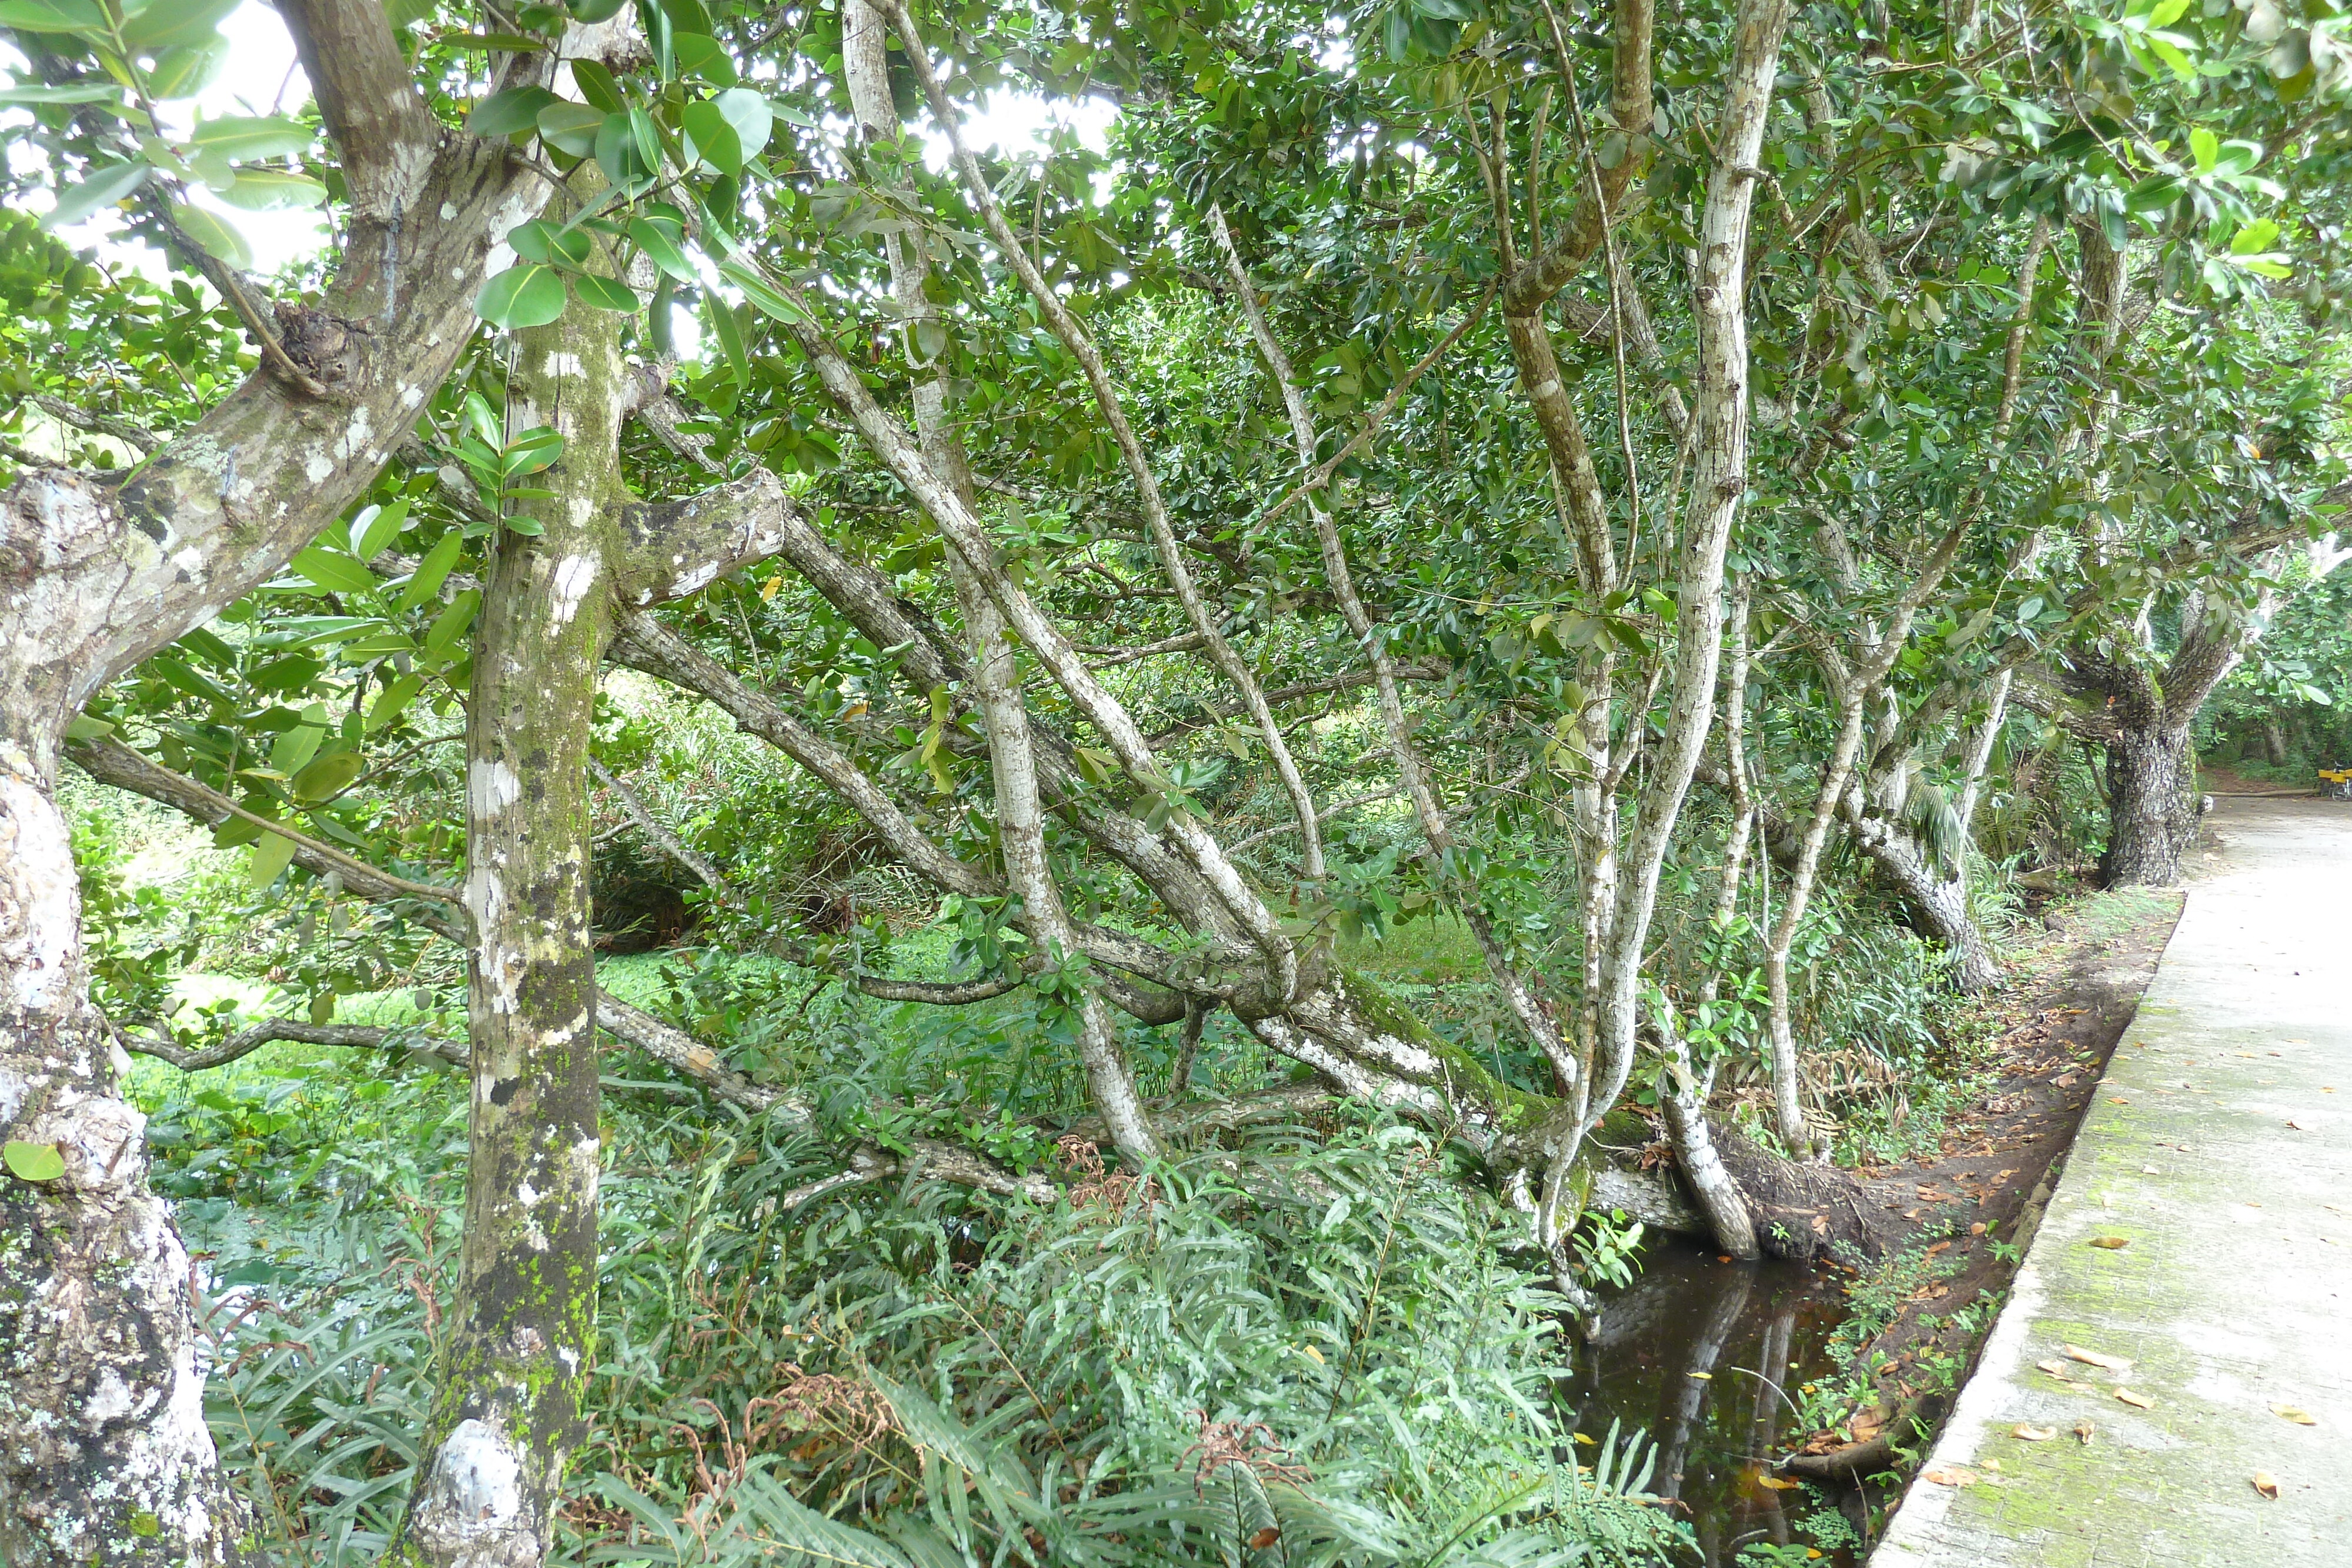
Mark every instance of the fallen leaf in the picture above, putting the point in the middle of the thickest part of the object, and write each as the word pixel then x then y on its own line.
pixel 2082 1430
pixel 1939 1246
pixel 2137 1401
pixel 2266 1484
pixel 2094 1358
pixel 2034 1434
pixel 2294 1413
pixel 2054 1368
pixel 2296 1126
pixel 1992 1464
pixel 2117 1100
pixel 2111 1243
pixel 1951 1476
pixel 2149 1170
pixel 1265 1538
pixel 1978 1228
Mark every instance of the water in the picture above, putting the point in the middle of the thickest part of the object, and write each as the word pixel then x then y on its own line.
pixel 1758 1332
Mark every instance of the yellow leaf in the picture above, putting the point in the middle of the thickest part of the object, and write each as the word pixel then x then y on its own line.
pixel 2095 1358
pixel 2266 1484
pixel 1704 1376
pixel 2111 1243
pixel 1778 1483
pixel 1318 1354
pixel 2295 1414
pixel 768 589
pixel 2082 1430
pixel 2137 1401
pixel 2034 1434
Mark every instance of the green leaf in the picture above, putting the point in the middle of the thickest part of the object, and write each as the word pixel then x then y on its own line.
pixel 271 854
pixel 173 24
pixel 701 56
pixel 297 746
pixel 390 701
pixel 543 242
pixel 433 571
pixel 529 453
pixel 604 293
pixel 85 727
pixel 662 243
pixel 79 92
pixel 100 190
pixel 273 190
pixel 335 573
pixel 592 11
pixel 452 623
pixel 379 526
pixel 749 113
pixel 2206 148
pixel 761 293
pixel 327 777
pixel 597 86
pixel 525 295
pixel 647 137
pixel 729 334
pixel 521 524
pixel 505 113
pixel 188 70
pixel 214 233
pixel 2256 236
pixel 53 16
pixel 33 1161
pixel 570 128
pixel 251 136
pixel 711 138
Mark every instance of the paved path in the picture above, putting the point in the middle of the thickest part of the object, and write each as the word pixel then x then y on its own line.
pixel 2214 1150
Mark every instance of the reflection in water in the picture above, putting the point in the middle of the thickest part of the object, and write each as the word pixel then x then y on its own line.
pixel 1703 1354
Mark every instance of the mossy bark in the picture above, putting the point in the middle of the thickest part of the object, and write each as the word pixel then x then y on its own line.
pixel 507 1413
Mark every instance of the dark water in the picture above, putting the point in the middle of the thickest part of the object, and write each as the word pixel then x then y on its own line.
pixel 1758 1332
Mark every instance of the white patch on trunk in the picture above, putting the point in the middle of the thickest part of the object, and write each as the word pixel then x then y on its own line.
pixel 473 1492
pixel 410 397
pixel 355 434
pixel 37 937
pixel 493 787
pixel 693 581
pixel 319 468
pixel 528 1194
pixel 573 575
pixel 560 363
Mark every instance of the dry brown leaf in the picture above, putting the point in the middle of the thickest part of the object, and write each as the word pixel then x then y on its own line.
pixel 2082 1430
pixel 2266 1484
pixel 2296 1126
pixel 2294 1413
pixel 2137 1401
pixel 1948 1476
pixel 2034 1434
pixel 2111 1243
pixel 2095 1358
pixel 1265 1538
pixel 2054 1368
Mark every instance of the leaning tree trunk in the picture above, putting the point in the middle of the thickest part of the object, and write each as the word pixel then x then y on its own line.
pixel 2152 805
pixel 507 1415
pixel 1939 904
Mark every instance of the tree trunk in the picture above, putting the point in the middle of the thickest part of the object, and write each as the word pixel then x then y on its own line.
pixel 1939 904
pixel 507 1415
pixel 2274 743
pixel 2152 806
pixel 104 1456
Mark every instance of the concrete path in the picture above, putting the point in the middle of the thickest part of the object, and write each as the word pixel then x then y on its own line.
pixel 2215 1152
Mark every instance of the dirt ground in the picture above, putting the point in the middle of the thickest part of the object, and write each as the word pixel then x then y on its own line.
pixel 2067 1002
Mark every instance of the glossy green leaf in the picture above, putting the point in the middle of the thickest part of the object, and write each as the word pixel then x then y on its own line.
pixel 272 853
pixel 173 24
pixel 761 293
pixel 103 189
pixel 379 526
pixel 433 571
pixel 700 54
pixel 188 70
pixel 712 139
pixel 77 92
pixel 452 623
pixel 33 1161
pixel 505 113
pixel 604 293
pixel 53 16
pixel 570 128
pixel 327 777
pixel 527 294
pixel 749 113
pixel 663 244
pixel 597 86
pixel 729 334
pixel 273 190
pixel 335 573
pixel 251 136
pixel 213 232
pixel 592 11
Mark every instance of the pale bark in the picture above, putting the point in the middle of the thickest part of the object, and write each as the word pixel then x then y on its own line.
pixel 995 679
pixel 104 1456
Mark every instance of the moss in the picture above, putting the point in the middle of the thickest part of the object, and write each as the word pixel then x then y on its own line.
pixel 1515 1110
